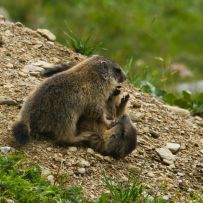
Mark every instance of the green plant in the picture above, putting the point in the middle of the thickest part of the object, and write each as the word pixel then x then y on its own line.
pixel 23 183
pixel 82 46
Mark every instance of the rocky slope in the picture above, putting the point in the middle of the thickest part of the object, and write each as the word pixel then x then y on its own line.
pixel 179 167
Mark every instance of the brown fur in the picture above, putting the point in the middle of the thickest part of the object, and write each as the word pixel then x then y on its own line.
pixel 118 141
pixel 59 102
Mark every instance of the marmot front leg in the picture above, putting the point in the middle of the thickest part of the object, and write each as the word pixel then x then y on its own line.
pixel 116 104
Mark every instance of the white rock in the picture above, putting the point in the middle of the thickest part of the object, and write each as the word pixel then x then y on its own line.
pixel 5 149
pixel 49 149
pixel 150 174
pixel 43 64
pixel 178 110
pixel 168 162
pixel 46 33
pixel 7 100
pixel 9 201
pixel 32 68
pixel 166 155
pixel 45 171
pixel 90 151
pixel 9 65
pixel 201 151
pixel 173 147
pixel 72 149
pixel 180 174
pixel 165 197
pixel 81 170
pixel 50 178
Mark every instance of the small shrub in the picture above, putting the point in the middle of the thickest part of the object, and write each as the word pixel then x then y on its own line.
pixel 82 46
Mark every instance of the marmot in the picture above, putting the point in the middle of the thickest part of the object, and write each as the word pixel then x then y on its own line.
pixel 120 139
pixel 60 101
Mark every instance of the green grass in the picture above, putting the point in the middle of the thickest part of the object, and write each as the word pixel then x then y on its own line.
pixel 156 81
pixel 22 182
pixel 82 46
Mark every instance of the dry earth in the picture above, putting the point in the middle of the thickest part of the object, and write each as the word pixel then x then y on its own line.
pixel 157 124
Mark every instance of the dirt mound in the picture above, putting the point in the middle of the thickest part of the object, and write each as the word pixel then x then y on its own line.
pixel 24 53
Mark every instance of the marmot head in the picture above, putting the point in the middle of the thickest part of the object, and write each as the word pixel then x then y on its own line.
pixel 123 139
pixel 108 70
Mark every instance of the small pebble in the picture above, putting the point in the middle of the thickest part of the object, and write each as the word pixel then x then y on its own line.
pixel 50 178
pixel 7 101
pixel 173 147
pixel 81 170
pixel 154 134
pixel 165 197
pixel 49 149
pixel 47 34
pixel 5 149
pixel 150 174
pixel 91 151
pixel 72 149
pixel 85 163
pixel 45 172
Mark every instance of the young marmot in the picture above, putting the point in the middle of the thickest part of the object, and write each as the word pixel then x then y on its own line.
pixel 118 141
pixel 60 101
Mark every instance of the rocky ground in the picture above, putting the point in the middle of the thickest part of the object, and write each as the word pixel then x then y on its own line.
pixel 166 167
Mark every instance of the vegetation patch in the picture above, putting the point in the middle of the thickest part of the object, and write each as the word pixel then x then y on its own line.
pixel 22 182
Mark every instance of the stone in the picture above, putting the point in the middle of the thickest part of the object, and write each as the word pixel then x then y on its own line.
pixel 81 170
pixel 99 156
pixel 150 174
pixel 7 101
pixel 154 134
pixel 32 68
pixel 45 171
pixel 43 64
pixel 132 167
pixel 180 174
pixel 9 201
pixel 166 197
pixel 136 116
pixel 2 19
pixel 84 163
pixel 168 162
pixel 178 110
pixel 9 65
pixel 166 155
pixel 201 151
pixel 49 149
pixel 50 178
pixel 90 151
pixel 72 149
pixel 173 147
pixel 5 149
pixel 47 34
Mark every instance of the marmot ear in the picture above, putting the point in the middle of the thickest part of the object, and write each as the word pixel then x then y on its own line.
pixel 104 70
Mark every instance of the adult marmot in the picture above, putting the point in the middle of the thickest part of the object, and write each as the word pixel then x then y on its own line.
pixel 58 103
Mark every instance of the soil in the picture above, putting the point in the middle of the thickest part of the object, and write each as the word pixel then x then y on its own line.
pixel 156 122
